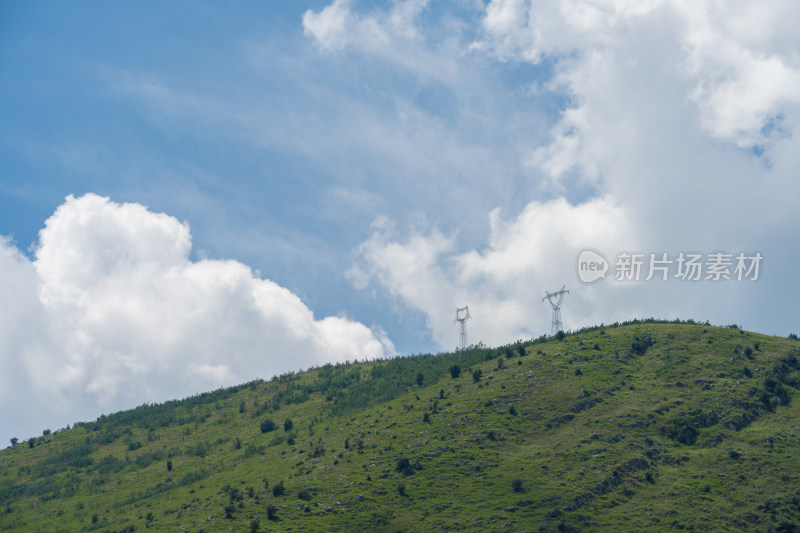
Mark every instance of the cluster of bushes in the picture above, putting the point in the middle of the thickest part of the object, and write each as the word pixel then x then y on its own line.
pixel 402 374
pixel 154 416
pixel 684 428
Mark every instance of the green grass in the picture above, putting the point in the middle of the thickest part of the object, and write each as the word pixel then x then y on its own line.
pixel 642 427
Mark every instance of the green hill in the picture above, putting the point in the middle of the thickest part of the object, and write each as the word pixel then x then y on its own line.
pixel 648 426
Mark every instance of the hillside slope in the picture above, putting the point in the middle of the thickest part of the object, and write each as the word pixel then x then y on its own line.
pixel 647 426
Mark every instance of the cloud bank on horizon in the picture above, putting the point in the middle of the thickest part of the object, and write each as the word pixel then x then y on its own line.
pixel 396 160
pixel 112 312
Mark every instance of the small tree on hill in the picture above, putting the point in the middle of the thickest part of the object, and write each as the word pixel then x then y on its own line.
pixel 272 513
pixel 267 425
pixel 404 466
pixel 14 441
pixel 288 425
pixel 420 378
pixel 455 371
pixel 229 509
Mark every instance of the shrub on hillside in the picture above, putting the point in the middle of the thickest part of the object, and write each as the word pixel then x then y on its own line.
pixel 682 430
pixel 403 466
pixel 267 425
pixel 272 513
pixel 229 509
pixel 640 346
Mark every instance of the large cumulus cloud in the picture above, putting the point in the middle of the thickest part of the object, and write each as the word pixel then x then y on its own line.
pixel 113 312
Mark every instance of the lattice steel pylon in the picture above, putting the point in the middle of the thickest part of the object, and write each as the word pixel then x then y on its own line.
pixel 462 314
pixel 555 299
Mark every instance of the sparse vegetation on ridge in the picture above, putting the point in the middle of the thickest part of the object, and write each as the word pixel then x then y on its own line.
pixel 651 425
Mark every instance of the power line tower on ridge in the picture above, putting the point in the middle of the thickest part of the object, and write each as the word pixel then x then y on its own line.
pixel 555 299
pixel 462 314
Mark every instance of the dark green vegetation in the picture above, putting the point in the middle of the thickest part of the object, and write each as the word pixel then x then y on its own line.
pixel 647 426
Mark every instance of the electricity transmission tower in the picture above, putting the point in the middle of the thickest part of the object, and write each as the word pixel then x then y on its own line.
pixel 462 314
pixel 555 299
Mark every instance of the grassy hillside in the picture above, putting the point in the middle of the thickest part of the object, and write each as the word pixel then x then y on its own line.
pixel 646 426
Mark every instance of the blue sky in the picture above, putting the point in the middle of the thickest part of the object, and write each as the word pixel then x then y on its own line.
pixel 234 121
pixel 283 184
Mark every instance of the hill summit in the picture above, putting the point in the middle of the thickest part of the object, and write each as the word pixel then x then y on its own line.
pixel 649 426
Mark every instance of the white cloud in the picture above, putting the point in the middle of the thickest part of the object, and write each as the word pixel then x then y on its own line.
pixel 394 37
pixel 738 59
pixel 662 98
pixel 338 25
pixel 503 284
pixel 113 312
pixel 330 26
